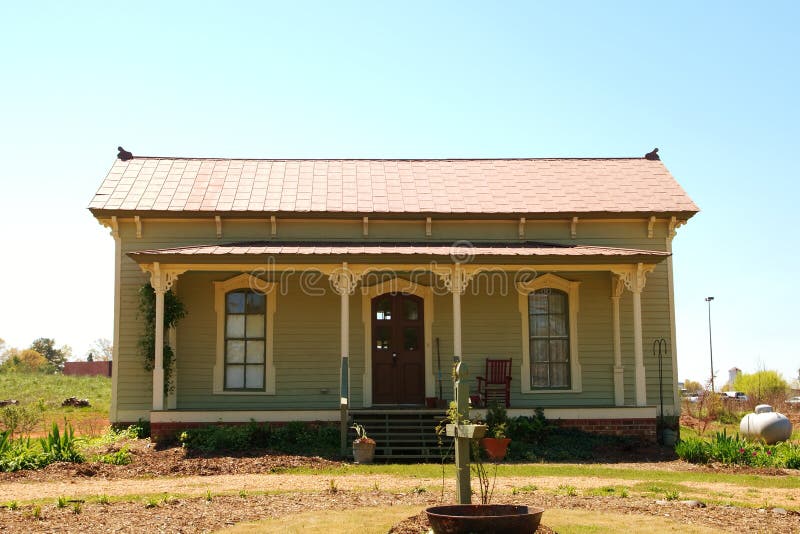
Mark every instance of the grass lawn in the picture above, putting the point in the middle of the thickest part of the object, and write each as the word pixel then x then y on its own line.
pixel 49 391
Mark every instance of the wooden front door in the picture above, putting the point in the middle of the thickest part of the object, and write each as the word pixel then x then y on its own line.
pixel 398 349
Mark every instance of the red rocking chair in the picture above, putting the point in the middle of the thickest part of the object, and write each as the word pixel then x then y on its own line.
pixel 496 385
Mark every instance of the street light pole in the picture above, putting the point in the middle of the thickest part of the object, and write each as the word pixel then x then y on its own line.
pixel 710 348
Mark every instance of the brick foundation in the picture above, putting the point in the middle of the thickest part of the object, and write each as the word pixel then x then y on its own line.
pixel 643 429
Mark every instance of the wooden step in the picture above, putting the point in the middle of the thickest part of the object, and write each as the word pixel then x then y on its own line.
pixel 403 434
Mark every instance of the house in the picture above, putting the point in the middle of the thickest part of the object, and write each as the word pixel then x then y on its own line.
pixel 316 289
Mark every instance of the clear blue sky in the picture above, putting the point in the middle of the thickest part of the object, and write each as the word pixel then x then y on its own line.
pixel 713 84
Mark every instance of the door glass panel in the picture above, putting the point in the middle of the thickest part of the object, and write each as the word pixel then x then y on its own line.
pixel 235 326
pixel 255 377
pixel 255 352
pixel 234 376
pixel 411 310
pixel 235 302
pixel 384 310
pixel 410 338
pixel 383 335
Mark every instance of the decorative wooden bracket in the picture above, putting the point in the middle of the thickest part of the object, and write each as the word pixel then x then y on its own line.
pixel 521 229
pixel 428 226
pixel 138 221
pixel 573 229
pixel 651 226
pixel 365 226
pixel 273 222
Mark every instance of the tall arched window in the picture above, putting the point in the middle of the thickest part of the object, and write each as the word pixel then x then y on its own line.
pixel 548 308
pixel 245 340
pixel 548 311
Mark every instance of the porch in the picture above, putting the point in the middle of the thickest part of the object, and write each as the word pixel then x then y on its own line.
pixel 607 375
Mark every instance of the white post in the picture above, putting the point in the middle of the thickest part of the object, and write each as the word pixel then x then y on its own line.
pixel 457 286
pixel 636 286
pixel 158 365
pixel 344 284
pixel 617 287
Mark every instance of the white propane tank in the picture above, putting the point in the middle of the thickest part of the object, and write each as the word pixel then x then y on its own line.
pixel 765 424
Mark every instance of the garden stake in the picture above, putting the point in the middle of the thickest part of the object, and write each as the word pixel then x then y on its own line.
pixel 659 348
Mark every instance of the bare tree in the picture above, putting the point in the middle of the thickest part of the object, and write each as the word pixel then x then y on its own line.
pixel 101 350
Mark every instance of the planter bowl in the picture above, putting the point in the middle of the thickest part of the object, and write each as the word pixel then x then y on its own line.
pixel 484 519
pixel 363 452
pixel 496 448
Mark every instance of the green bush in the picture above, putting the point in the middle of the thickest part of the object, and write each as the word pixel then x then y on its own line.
pixel 293 437
pixel 21 419
pixel 19 454
pixel 120 457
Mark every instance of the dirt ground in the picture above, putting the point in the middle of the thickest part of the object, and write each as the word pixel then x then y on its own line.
pixel 168 490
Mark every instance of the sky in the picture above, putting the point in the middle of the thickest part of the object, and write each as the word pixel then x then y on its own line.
pixel 712 84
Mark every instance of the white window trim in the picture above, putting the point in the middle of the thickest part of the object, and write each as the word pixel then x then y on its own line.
pixel 569 287
pixel 244 281
pixel 397 285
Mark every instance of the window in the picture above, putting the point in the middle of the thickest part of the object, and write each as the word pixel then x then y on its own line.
pixel 245 340
pixel 549 338
pixel 245 306
pixel 548 307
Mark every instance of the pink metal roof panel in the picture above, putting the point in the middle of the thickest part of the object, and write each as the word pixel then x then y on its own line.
pixel 501 186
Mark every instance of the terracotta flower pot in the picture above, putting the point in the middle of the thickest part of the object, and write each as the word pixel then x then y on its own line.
pixel 496 448
pixel 363 452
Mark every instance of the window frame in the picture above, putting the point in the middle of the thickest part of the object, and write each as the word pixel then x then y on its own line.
pixel 570 288
pixel 245 339
pixel 548 337
pixel 221 291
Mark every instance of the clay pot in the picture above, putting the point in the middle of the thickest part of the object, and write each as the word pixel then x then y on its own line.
pixel 363 452
pixel 496 448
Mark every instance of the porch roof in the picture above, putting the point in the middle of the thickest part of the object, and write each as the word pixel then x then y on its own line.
pixel 520 250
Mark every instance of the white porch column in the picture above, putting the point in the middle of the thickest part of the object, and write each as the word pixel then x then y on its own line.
pixel 344 283
pixel 456 282
pixel 161 281
pixel 159 286
pixel 617 287
pixel 635 281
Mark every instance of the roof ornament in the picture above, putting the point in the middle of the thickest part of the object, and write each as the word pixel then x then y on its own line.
pixel 124 155
pixel 652 156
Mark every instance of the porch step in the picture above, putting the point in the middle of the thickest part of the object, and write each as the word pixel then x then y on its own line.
pixel 402 435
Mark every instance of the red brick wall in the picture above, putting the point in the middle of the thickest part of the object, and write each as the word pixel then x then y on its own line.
pixel 644 429
pixel 88 368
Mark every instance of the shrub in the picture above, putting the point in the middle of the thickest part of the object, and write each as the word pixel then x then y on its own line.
pixel 692 450
pixel 61 447
pixel 19 454
pixel 20 419
pixel 120 457
pixel 294 437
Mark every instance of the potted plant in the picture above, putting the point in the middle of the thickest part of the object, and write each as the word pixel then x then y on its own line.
pixel 496 443
pixel 363 445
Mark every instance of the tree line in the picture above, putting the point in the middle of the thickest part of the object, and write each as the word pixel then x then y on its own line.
pixel 44 356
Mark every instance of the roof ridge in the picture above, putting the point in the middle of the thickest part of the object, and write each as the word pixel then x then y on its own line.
pixel 190 158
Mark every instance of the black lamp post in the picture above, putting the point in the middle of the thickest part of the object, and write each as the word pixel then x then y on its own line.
pixel 710 348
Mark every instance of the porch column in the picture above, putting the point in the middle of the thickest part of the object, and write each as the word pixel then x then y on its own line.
pixel 456 283
pixel 344 283
pixel 157 281
pixel 161 281
pixel 617 287
pixel 635 281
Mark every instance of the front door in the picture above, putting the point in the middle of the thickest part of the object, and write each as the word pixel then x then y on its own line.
pixel 398 349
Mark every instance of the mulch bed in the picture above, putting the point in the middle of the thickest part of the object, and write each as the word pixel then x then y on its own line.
pixel 149 461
